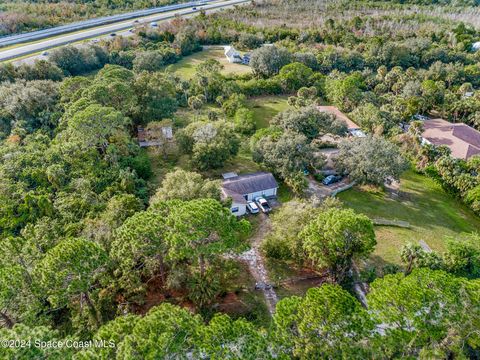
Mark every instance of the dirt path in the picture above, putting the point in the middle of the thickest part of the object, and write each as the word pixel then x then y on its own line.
pixel 256 263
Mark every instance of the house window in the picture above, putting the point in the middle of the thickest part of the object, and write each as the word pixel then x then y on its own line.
pixel 235 209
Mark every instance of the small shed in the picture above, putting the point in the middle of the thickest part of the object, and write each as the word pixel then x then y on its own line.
pixel 155 134
pixel 244 188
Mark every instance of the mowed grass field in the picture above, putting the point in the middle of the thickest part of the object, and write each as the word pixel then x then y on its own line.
pixel 434 216
pixel 266 107
pixel 185 68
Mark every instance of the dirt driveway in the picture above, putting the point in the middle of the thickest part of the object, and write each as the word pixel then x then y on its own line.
pixel 323 191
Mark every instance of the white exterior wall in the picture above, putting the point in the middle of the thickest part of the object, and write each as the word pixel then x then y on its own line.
pixel 264 193
pixel 242 209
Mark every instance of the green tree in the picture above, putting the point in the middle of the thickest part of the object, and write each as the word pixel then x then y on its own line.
pixel 167 331
pixel 69 271
pixel 326 323
pixel 97 126
pixel 203 228
pixel 150 60
pixel 185 185
pixel 335 238
pixel 462 257
pixel 21 333
pixel 113 333
pixel 157 96
pixel 210 144
pixel 370 160
pixel 287 154
pixel 268 60
pixel 345 91
pixel 224 338
pixel 244 121
pixel 295 75
pixel 425 311
pixel 140 248
pixel 310 122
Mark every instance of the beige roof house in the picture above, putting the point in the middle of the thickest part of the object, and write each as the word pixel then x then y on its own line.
pixel 463 140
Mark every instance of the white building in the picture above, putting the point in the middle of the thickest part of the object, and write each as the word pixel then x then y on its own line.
pixel 232 55
pixel 244 188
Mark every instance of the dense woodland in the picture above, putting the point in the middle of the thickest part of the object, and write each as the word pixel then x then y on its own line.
pixel 86 231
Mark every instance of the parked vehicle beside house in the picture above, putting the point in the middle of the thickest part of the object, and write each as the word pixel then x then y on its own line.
pixel 263 204
pixel 252 208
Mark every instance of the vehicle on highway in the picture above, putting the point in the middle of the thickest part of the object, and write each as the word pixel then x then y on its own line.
pixel 331 179
pixel 252 208
pixel 153 23
pixel 80 25
pixel 194 8
pixel 263 204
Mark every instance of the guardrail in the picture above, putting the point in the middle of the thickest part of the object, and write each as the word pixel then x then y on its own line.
pixel 63 29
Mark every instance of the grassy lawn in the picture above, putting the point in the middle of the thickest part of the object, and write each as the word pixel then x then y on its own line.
pixel 433 214
pixel 185 68
pixel 266 107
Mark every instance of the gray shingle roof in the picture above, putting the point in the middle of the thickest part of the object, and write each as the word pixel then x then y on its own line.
pixel 250 183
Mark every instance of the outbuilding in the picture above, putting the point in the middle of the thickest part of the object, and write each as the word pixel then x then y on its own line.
pixel 244 188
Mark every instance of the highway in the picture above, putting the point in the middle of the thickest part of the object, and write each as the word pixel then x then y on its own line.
pixel 54 40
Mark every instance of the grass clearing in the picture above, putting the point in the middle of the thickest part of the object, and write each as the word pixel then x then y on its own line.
pixel 186 67
pixel 433 214
pixel 266 107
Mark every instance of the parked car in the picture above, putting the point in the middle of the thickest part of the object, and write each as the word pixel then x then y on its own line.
pixel 263 204
pixel 153 23
pixel 252 207
pixel 136 21
pixel 194 8
pixel 331 179
pixel 45 53
pixel 113 34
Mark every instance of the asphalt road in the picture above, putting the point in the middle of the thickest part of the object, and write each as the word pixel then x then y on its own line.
pixel 41 45
pixel 85 24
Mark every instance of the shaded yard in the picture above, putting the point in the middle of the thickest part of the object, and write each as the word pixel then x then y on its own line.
pixel 433 214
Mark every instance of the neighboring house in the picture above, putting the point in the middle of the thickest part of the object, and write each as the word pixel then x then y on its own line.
pixel 154 137
pixel 244 188
pixel 353 129
pixel 232 55
pixel 463 140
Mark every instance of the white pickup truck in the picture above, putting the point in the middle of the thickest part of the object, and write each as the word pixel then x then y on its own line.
pixel 263 204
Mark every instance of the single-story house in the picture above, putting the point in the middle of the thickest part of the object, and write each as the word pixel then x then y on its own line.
pixel 148 137
pixel 353 129
pixel 232 55
pixel 463 140
pixel 244 188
